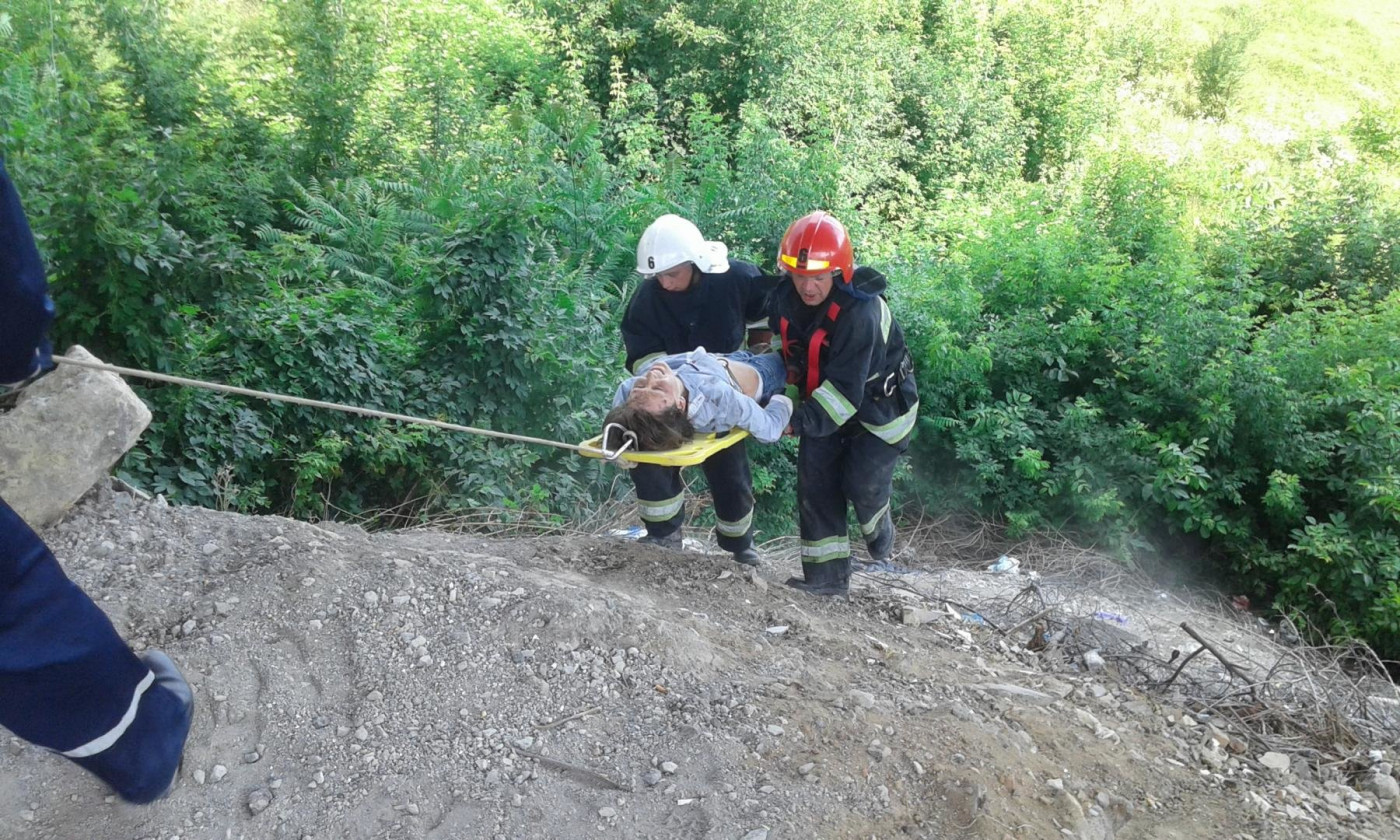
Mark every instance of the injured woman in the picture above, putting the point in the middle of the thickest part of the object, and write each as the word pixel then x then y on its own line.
pixel 679 396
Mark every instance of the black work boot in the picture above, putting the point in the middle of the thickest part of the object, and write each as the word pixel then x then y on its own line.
pixel 830 578
pixel 674 540
pixel 746 556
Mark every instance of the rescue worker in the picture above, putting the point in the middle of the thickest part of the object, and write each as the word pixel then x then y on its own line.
pixel 67 680
pixel 692 295
pixel 846 357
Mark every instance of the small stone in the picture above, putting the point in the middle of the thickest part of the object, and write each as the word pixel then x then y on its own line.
pixel 258 801
pixel 757 834
pixel 372 598
pixel 669 768
pixel 806 769
pixel 864 699
pixel 412 808
pixel 607 813
pixel 524 743
pixel 652 777
pixel 774 730
pixel 361 734
pixel 251 757
pixel 209 548
pixel 199 777
pixel 1384 787
pixel 375 696
pixel 1093 661
pixel 218 773
pixel 1277 762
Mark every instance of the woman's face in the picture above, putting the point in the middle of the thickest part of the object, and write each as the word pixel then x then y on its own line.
pixel 658 389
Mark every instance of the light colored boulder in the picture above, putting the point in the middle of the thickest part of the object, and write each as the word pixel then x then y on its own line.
pixel 63 436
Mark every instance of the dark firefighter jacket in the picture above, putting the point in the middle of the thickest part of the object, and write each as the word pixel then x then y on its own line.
pixel 863 373
pixel 713 313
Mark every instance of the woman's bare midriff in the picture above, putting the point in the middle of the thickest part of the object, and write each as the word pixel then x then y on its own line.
pixel 746 376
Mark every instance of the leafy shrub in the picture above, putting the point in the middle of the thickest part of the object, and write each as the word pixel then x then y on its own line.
pixel 1218 70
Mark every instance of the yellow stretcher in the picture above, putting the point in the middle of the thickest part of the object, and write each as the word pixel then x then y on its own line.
pixel 696 451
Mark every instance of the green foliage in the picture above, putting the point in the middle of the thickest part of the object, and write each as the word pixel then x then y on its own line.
pixel 1157 332
pixel 1059 77
pixel 1376 130
pixel 1219 68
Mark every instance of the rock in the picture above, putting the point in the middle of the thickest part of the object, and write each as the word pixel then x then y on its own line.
pixel 806 769
pixel 258 801
pixel 607 813
pixel 864 699
pixel 63 436
pixel 1093 661
pixel 652 777
pixel 914 616
pixel 218 773
pixel 1277 762
pixel 757 834
pixel 1383 786
pixel 669 768
pixel 1016 691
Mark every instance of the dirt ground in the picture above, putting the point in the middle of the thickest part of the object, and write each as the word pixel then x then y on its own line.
pixel 429 685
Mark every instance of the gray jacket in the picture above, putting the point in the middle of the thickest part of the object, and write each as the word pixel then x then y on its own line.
pixel 713 403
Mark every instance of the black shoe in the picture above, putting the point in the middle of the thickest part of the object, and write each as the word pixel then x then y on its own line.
pixel 830 578
pixel 674 540
pixel 747 556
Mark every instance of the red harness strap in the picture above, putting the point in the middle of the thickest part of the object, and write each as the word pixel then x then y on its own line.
pixel 814 347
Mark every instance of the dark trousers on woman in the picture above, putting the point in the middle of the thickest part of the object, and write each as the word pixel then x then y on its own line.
pixel 69 683
pixel 661 497
pixel 835 470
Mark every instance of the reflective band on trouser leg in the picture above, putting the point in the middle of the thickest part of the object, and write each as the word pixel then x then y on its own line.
pixel 660 511
pixel 872 524
pixel 822 551
pixel 837 407
pixel 734 529
pixel 897 429
pixel 108 738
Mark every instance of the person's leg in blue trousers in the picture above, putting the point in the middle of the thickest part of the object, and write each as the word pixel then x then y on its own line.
pixel 69 683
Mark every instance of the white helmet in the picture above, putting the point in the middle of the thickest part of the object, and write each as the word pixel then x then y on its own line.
pixel 670 241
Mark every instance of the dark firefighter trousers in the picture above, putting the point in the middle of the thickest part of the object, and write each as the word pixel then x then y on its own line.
pixel 67 680
pixel 855 468
pixel 661 497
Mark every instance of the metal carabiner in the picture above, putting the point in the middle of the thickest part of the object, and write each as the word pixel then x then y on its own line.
pixel 629 441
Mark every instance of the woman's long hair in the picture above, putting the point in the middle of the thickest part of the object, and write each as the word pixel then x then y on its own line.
pixel 655 431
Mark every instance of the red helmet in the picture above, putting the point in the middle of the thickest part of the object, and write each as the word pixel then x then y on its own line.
pixel 816 243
